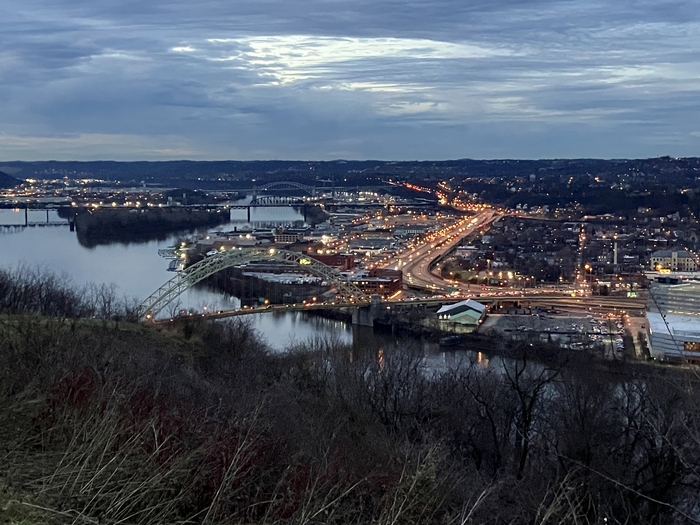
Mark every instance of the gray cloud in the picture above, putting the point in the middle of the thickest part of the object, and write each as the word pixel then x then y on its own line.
pixel 356 78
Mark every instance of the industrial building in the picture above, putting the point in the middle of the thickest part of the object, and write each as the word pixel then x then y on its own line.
pixel 673 327
pixel 384 283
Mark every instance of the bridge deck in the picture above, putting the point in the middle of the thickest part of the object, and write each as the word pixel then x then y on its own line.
pixel 634 305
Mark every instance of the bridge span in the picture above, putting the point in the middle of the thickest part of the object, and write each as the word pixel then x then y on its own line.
pixel 171 290
pixel 365 313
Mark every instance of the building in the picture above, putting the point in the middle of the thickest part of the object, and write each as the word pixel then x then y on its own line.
pixel 342 262
pixel 370 246
pixel 378 233
pixel 466 252
pixel 675 260
pixel 411 230
pixel 287 238
pixel 307 247
pixel 673 321
pixel 227 242
pixel 469 312
pixel 379 281
pixel 290 235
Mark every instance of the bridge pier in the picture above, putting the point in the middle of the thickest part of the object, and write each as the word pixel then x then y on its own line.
pixel 365 315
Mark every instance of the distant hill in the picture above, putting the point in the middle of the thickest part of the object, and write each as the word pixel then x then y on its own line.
pixel 231 175
pixel 8 181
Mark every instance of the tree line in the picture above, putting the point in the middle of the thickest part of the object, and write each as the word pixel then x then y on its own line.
pixel 28 289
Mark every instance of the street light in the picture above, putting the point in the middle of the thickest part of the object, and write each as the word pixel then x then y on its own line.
pixel 588 269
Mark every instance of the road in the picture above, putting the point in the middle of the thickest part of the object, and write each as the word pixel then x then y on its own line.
pixel 636 326
pixel 416 262
pixel 634 306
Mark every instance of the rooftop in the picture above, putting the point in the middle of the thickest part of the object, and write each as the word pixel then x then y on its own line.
pixel 470 303
pixel 683 327
pixel 681 254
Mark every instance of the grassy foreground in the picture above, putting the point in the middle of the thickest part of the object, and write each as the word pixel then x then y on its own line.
pixel 113 422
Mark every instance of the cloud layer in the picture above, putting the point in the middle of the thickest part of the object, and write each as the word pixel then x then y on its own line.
pixel 324 79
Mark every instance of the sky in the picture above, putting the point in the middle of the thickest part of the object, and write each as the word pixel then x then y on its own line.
pixel 348 79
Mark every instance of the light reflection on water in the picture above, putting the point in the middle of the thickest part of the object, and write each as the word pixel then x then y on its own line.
pixel 286 330
pixel 137 270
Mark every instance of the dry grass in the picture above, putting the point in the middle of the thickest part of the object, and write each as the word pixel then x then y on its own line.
pixel 113 423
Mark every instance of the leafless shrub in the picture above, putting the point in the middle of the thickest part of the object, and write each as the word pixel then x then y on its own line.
pixel 106 422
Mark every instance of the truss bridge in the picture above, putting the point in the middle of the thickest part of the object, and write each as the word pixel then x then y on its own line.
pixel 285 185
pixel 276 200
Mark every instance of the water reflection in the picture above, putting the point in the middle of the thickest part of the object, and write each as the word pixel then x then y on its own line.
pixel 30 218
pixel 288 330
pixel 136 269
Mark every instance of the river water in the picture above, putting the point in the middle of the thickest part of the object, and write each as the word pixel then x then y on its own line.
pixel 136 269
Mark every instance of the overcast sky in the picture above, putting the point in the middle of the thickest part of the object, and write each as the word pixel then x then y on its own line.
pixel 354 79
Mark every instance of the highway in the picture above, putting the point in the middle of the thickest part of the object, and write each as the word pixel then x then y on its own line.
pixel 417 261
pixel 633 306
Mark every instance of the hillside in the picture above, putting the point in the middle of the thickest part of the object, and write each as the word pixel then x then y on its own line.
pixel 107 421
pixel 235 174
pixel 7 181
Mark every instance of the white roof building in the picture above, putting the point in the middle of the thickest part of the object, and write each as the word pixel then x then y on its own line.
pixel 468 312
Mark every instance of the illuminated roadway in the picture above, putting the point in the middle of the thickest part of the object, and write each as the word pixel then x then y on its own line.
pixel 416 262
pixel 634 306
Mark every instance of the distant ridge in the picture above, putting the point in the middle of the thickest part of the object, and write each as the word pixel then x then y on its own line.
pixel 8 181
pixel 230 175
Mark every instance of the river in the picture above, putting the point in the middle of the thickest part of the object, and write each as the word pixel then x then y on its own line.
pixel 136 269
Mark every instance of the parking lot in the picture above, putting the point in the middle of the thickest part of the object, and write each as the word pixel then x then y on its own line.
pixel 575 331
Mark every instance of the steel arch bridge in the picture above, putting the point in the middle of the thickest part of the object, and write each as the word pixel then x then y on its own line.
pixel 286 184
pixel 184 280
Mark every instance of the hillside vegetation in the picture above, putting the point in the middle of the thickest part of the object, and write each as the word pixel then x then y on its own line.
pixel 7 181
pixel 106 421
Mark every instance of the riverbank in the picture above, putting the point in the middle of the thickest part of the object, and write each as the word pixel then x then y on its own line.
pixel 314 214
pixel 105 225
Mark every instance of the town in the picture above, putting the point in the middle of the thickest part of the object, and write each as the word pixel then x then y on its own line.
pixel 584 259
pixel 342 263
